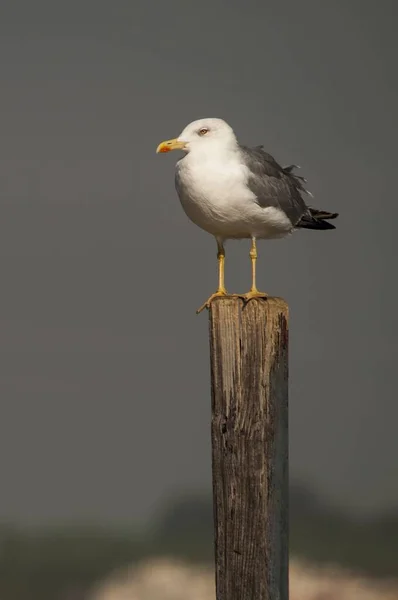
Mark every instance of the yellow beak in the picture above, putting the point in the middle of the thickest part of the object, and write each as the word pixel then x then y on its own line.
pixel 170 145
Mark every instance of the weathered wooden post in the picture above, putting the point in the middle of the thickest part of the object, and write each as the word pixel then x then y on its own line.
pixel 249 377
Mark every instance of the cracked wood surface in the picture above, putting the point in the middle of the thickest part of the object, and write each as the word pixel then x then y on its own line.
pixel 249 377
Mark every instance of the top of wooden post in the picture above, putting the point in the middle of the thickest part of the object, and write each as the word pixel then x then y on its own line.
pixel 231 314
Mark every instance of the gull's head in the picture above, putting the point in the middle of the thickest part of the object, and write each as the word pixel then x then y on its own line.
pixel 203 135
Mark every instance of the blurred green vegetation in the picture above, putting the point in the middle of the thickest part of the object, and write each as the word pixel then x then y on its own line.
pixel 62 563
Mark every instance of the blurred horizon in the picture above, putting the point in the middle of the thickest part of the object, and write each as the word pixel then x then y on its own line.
pixel 69 559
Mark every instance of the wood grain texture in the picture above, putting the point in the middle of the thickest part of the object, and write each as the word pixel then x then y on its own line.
pixel 249 376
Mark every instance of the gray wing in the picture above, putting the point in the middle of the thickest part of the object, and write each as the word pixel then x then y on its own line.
pixel 274 185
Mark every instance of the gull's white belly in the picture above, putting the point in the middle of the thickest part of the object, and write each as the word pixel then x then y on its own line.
pixel 217 200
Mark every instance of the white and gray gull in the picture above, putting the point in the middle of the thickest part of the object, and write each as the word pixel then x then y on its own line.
pixel 234 192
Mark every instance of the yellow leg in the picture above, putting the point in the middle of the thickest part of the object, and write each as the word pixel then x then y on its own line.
pixel 221 266
pixel 221 291
pixel 254 293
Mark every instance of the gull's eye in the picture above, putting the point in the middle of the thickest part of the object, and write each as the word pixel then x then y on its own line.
pixel 203 131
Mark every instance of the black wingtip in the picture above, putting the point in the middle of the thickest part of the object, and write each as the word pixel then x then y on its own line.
pixel 322 214
pixel 327 216
pixel 315 224
pixel 317 219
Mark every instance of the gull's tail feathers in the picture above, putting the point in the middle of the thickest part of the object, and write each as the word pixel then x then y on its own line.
pixel 317 219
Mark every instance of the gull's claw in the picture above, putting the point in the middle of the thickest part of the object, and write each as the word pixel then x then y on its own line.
pixel 217 294
pixel 252 295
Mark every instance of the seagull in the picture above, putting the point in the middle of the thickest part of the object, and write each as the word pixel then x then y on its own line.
pixel 232 191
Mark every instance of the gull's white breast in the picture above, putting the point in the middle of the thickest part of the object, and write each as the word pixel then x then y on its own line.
pixel 214 195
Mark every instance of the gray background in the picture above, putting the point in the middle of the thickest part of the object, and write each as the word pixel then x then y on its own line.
pixel 104 364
